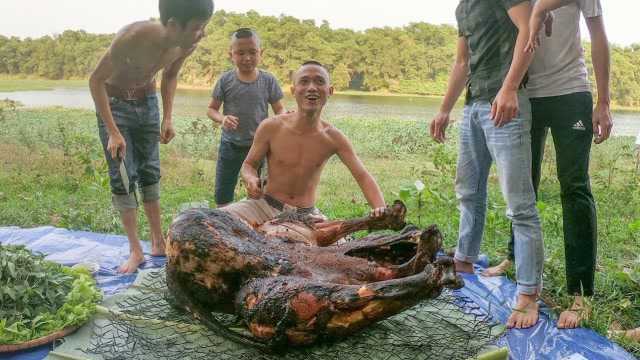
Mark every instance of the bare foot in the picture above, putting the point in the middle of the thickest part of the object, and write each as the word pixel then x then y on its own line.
pixel 497 270
pixel 132 264
pixel 157 248
pixel 615 330
pixel 633 334
pixel 570 318
pixel 525 313
pixel 464 267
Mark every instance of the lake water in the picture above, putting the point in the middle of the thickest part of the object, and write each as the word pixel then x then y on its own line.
pixel 194 103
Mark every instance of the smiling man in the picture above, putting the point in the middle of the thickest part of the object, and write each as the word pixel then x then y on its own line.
pixel 297 146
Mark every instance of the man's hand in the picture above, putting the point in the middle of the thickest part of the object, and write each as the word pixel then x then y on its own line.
pixel 254 190
pixel 167 133
pixel 116 146
pixel 535 25
pixel 230 122
pixel 378 212
pixel 504 107
pixel 438 127
pixel 602 123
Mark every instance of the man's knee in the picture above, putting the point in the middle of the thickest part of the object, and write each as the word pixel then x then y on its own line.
pixel 575 188
pixel 150 193
pixel 524 214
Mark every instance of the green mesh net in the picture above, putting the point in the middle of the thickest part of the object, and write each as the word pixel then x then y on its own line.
pixel 142 324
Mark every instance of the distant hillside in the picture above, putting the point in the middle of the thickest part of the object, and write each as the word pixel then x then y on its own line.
pixel 414 59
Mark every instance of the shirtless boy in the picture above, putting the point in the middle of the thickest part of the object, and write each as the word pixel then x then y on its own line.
pixel 297 146
pixel 123 90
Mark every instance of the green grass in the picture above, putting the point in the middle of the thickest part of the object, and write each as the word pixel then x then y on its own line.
pixel 53 173
pixel 8 84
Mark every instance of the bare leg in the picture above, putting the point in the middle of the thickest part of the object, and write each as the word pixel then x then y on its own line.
pixel 152 210
pixel 497 270
pixel 136 256
pixel 526 312
pixel 570 318
pixel 464 267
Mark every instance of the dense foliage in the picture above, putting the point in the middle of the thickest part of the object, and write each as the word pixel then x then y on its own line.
pixel 412 59
pixel 38 297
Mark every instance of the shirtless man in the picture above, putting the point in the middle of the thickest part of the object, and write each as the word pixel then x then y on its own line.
pixel 123 90
pixel 297 146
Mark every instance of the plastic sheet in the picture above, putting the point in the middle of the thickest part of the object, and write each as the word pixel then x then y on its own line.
pixel 493 295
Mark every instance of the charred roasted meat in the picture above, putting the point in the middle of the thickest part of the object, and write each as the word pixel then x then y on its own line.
pixel 290 292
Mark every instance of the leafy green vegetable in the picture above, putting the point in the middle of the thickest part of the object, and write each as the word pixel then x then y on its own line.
pixel 39 297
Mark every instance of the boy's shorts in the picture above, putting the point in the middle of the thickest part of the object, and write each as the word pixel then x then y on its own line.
pixel 139 123
pixel 259 214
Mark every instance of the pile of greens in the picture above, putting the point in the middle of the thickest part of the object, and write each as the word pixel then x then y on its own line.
pixel 39 297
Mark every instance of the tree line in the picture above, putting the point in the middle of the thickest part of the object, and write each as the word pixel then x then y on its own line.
pixel 413 59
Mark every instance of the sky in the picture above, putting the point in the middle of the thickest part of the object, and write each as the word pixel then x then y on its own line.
pixel 36 18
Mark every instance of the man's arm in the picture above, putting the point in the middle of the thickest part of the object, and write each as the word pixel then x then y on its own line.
pixel 457 82
pixel 541 14
pixel 228 122
pixel 168 87
pixel 602 122
pixel 116 144
pixel 505 106
pixel 367 183
pixel 258 151
pixel 278 107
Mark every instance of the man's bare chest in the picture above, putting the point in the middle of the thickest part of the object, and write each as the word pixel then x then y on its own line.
pixel 139 68
pixel 298 154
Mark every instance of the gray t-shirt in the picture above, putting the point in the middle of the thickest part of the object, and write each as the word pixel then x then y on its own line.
pixel 558 67
pixel 249 102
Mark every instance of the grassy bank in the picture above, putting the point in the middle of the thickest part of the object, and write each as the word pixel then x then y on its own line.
pixel 53 173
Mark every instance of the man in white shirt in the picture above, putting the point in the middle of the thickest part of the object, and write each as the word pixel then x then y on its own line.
pixel 561 100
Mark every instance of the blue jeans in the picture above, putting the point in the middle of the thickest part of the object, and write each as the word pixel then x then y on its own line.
pixel 481 143
pixel 139 124
pixel 230 159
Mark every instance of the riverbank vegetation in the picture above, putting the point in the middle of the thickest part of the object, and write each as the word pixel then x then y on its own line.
pixel 413 59
pixel 53 173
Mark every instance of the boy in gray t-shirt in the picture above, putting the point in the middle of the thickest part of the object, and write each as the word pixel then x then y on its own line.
pixel 246 93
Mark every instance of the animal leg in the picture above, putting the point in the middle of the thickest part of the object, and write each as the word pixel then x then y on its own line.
pixel 329 232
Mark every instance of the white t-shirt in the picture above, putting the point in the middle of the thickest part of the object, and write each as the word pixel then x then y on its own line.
pixel 558 67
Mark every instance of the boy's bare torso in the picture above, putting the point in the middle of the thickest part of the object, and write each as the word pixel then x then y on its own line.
pixel 138 54
pixel 296 159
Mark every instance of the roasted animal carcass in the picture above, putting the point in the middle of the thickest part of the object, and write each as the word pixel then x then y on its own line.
pixel 291 292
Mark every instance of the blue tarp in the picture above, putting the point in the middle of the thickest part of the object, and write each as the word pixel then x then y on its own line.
pixel 493 295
